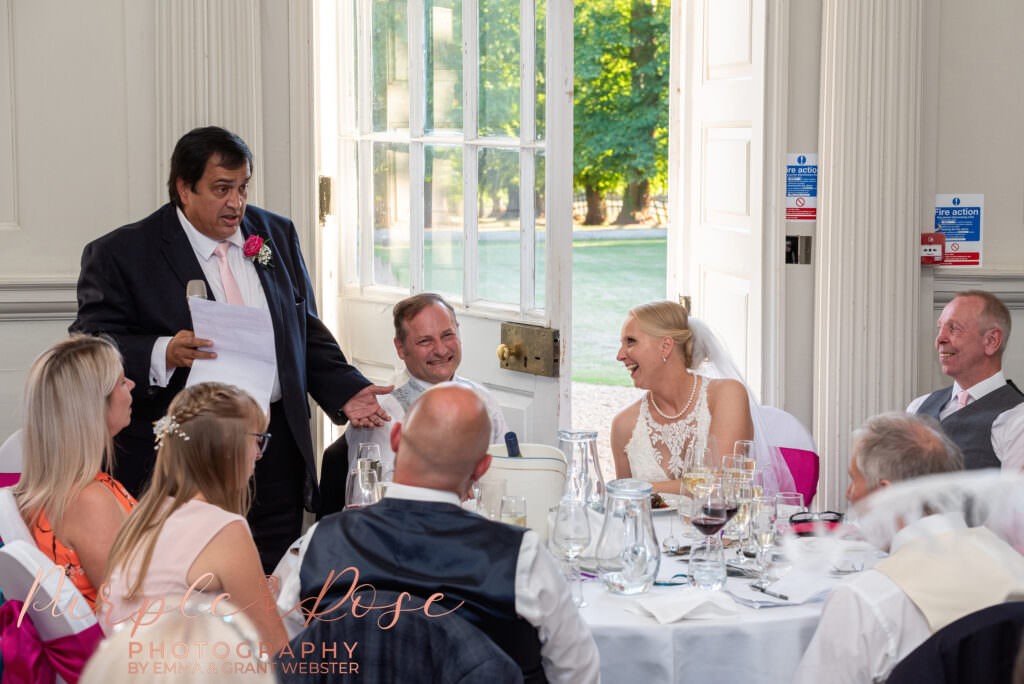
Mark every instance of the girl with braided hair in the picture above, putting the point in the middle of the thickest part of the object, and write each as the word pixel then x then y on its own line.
pixel 189 529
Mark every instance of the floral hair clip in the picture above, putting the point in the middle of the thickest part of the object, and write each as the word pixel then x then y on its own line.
pixel 167 426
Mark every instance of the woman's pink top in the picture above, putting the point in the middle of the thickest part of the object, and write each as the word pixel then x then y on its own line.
pixel 183 537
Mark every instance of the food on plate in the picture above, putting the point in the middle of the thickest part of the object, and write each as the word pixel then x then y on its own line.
pixel 658 501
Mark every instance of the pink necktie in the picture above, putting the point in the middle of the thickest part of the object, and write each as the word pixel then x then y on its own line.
pixel 227 278
pixel 963 398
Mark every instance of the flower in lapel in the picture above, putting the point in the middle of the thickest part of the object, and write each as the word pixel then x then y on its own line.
pixel 256 248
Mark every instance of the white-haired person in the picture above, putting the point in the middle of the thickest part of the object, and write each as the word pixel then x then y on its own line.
pixel 189 529
pixel 694 393
pixel 76 399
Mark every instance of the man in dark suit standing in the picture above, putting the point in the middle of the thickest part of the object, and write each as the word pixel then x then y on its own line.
pixel 132 287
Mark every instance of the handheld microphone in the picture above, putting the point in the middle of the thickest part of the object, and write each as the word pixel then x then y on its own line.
pixel 196 288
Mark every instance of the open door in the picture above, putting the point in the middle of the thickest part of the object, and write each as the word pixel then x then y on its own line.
pixel 447 161
pixel 715 245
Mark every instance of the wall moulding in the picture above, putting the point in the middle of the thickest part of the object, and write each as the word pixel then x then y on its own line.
pixel 8 149
pixel 39 299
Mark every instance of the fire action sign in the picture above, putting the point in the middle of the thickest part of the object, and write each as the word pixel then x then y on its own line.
pixel 801 186
pixel 960 219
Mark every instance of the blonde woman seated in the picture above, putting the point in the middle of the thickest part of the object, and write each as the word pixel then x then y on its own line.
pixel 694 393
pixel 189 528
pixel 76 399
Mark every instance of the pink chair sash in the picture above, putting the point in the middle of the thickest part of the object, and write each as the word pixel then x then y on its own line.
pixel 29 659
pixel 9 479
pixel 803 465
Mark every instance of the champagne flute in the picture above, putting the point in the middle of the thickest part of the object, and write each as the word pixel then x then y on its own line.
pixel 743 452
pixel 764 512
pixel 571 535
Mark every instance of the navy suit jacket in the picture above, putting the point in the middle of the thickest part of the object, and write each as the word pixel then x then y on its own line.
pixel 132 288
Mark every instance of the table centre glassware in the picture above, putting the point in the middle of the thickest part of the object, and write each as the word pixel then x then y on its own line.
pixel 627 551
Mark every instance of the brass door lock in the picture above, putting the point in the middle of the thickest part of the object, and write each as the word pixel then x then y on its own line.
pixel 529 349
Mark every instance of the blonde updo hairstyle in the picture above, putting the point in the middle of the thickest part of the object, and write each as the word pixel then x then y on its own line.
pixel 207 452
pixel 667 319
pixel 65 437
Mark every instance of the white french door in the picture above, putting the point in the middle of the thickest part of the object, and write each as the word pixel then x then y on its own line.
pixel 717 238
pixel 446 127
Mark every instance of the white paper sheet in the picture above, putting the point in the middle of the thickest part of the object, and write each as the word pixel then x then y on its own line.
pixel 243 337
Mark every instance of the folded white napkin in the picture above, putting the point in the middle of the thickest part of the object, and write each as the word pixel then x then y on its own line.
pixel 688 603
pixel 801 586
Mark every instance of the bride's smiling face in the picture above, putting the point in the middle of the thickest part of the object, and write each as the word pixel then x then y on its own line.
pixel 640 353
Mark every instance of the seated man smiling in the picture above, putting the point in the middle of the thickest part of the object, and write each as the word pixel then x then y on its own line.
pixel 418 539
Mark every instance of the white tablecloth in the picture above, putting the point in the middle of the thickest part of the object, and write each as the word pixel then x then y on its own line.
pixel 757 645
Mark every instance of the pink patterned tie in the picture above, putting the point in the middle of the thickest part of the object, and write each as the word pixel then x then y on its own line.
pixel 227 278
pixel 962 399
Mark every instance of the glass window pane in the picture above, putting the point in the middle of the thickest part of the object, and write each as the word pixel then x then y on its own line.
pixel 498 208
pixel 442 221
pixel 443 22
pixel 390 66
pixel 539 233
pixel 540 53
pixel 499 67
pixel 391 214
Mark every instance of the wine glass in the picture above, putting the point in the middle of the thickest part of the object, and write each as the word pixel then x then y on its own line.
pixel 361 487
pixel 743 453
pixel 763 514
pixel 707 563
pixel 571 535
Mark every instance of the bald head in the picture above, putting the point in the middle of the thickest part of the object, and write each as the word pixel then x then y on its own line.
pixel 443 442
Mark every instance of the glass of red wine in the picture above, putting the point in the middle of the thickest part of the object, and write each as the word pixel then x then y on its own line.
pixel 710 513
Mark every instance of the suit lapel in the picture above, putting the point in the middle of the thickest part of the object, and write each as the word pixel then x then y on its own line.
pixel 274 280
pixel 178 250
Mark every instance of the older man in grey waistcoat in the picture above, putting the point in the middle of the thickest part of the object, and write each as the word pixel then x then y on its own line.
pixel 982 411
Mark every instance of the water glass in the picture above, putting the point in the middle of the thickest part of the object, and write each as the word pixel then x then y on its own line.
pixel 369 453
pixel 491 492
pixel 571 535
pixel 513 510
pixel 361 488
pixel 707 565
pixel 788 504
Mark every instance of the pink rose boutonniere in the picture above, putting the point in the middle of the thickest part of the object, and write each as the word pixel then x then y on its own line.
pixel 256 248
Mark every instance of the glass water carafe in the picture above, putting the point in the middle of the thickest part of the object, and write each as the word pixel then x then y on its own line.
pixel 583 479
pixel 627 550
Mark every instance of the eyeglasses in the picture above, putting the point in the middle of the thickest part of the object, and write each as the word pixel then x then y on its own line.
pixel 806 524
pixel 262 440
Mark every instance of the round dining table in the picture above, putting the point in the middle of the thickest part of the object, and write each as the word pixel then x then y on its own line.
pixel 752 646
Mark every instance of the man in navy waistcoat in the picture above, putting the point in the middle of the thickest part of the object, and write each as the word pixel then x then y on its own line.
pixel 982 412
pixel 418 539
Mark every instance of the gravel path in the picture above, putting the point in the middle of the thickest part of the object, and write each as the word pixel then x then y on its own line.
pixel 593 407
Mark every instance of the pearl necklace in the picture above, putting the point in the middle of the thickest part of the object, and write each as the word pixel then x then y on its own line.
pixel 693 391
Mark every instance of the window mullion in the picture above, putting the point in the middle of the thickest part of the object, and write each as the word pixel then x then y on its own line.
pixel 527 132
pixel 417 111
pixel 470 152
pixel 364 123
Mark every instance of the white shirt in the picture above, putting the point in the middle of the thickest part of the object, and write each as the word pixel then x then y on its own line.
pixel 1007 428
pixel 381 436
pixel 868 624
pixel 568 651
pixel 248 284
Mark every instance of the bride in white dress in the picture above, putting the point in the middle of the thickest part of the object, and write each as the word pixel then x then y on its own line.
pixel 693 391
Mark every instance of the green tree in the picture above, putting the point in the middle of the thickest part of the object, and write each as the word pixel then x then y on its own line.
pixel 621 104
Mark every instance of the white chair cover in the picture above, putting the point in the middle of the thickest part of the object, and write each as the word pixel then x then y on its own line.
pixel 538 475
pixel 20 564
pixel 784 430
pixel 12 526
pixel 10 454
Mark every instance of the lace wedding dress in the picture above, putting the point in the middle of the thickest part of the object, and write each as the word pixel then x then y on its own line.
pixel 652 440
